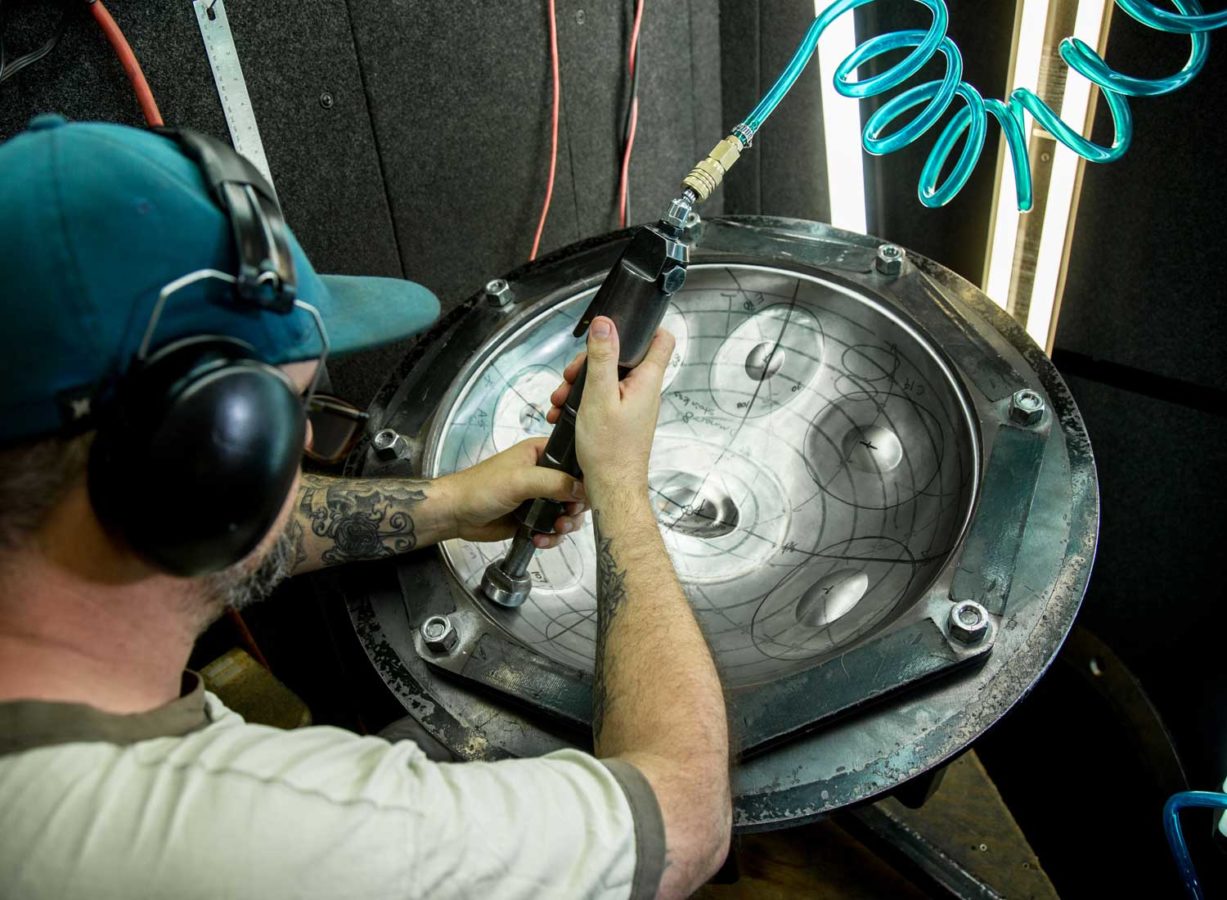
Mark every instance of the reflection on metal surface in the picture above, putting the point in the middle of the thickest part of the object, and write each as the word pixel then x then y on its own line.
pixel 692 505
pixel 831 597
pixel 772 351
pixel 520 412
pixel 813 469
pixel 765 360
pixel 873 449
pixel 809 511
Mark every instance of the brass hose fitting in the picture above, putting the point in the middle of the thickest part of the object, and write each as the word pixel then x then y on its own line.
pixel 706 176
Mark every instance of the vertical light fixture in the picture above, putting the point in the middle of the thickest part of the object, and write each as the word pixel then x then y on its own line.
pixel 1064 187
pixel 1025 271
pixel 841 127
pixel 1030 20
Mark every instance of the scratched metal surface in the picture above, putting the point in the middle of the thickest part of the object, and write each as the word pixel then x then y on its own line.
pixel 812 471
pixel 981 358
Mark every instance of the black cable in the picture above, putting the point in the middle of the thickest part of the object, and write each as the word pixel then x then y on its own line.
pixel 634 91
pixel 626 119
pixel 7 69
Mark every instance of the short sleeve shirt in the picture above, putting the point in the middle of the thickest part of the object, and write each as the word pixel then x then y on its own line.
pixel 191 801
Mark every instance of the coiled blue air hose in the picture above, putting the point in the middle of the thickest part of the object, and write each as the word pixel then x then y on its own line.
pixel 970 124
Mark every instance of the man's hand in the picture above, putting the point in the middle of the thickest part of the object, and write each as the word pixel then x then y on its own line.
pixel 617 419
pixel 483 497
pixel 341 520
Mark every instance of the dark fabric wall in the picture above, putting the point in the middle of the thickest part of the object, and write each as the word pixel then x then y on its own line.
pixel 411 138
pixel 1141 338
pixel 956 234
pixel 784 173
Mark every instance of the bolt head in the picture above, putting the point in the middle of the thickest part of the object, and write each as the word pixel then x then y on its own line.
pixel 969 622
pixel 327 100
pixel 390 445
pixel 890 259
pixel 674 279
pixel 499 294
pixel 439 635
pixel 1027 407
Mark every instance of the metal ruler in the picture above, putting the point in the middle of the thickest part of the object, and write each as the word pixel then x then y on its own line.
pixel 231 88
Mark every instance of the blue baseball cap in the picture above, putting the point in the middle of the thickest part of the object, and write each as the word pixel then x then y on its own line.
pixel 95 220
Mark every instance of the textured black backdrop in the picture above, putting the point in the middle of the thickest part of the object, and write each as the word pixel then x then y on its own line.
pixel 428 157
pixel 410 137
pixel 1143 339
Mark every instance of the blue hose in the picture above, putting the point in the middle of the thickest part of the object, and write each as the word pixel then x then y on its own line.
pixel 969 126
pixel 1175 837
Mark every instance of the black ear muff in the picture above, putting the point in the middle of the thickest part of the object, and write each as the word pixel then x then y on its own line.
pixel 197 454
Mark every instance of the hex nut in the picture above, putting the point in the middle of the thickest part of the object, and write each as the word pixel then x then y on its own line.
pixel 890 259
pixel 1026 407
pixel 439 635
pixel 499 294
pixel 390 445
pixel 969 622
pixel 674 279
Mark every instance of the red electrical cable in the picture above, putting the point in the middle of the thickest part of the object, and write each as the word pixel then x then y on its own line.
pixel 626 163
pixel 128 60
pixel 549 189
pixel 632 62
pixel 245 635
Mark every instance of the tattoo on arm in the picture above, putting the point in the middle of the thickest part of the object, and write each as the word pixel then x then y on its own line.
pixel 356 520
pixel 610 597
pixel 298 546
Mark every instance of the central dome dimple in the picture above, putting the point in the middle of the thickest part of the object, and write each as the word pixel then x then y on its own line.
pixel 764 361
pixel 688 504
pixel 831 597
pixel 872 449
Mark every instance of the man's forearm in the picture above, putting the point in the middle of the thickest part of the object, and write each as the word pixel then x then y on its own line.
pixel 651 655
pixel 339 520
pixel 657 700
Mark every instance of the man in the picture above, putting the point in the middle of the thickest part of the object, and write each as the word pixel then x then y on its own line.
pixel 120 776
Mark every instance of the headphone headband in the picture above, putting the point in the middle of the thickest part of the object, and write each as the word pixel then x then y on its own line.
pixel 265 275
pixel 202 420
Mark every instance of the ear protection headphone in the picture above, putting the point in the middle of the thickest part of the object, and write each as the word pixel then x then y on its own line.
pixel 198 447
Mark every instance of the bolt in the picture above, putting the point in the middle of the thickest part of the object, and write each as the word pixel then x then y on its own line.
pixel 579 17
pixel 969 622
pixel 438 634
pixel 499 294
pixel 674 279
pixel 890 260
pixel 326 100
pixel 1027 407
pixel 390 445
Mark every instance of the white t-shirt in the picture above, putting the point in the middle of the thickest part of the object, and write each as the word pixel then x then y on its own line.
pixel 191 801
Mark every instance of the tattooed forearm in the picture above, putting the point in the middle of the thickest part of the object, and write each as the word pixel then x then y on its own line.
pixel 298 547
pixel 344 520
pixel 610 597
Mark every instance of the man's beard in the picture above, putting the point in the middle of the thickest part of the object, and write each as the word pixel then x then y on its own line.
pixel 243 584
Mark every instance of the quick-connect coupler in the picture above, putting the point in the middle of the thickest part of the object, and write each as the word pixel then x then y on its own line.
pixel 706 176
